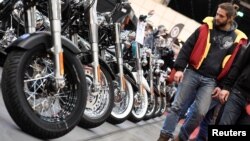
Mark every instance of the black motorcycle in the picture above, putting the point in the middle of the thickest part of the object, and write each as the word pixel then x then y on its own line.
pixel 43 82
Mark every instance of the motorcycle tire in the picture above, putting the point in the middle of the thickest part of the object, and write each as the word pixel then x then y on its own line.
pixel 139 111
pixel 122 105
pixel 163 107
pixel 152 102
pixel 31 99
pixel 99 107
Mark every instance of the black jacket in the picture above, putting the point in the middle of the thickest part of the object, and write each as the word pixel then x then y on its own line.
pixel 211 66
pixel 240 73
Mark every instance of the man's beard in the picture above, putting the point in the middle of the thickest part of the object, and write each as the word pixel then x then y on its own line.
pixel 221 25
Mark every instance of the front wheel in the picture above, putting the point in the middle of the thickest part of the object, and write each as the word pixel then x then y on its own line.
pixel 140 106
pixel 152 105
pixel 123 103
pixel 31 98
pixel 99 103
pixel 161 107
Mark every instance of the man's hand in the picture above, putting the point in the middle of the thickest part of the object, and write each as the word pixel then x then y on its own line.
pixel 216 92
pixel 178 77
pixel 223 96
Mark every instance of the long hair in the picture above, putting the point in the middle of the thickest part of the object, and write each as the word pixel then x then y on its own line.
pixel 230 8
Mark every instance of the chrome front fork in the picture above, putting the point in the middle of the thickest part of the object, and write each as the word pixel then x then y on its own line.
pixel 151 74
pixel 74 38
pixel 119 53
pixel 55 21
pixel 93 29
pixel 30 20
pixel 139 69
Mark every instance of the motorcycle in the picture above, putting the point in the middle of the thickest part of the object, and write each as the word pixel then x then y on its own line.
pixel 124 97
pixel 43 82
pixel 84 33
pixel 120 106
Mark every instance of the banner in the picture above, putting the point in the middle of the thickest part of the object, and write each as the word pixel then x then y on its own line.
pixel 140 32
pixel 174 33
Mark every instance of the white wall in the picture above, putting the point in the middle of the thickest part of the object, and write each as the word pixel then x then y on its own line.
pixel 165 16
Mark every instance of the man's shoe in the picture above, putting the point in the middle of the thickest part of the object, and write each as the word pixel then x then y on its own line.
pixel 164 137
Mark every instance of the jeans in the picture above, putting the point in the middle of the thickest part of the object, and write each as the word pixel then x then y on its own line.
pixel 234 106
pixel 209 119
pixel 194 89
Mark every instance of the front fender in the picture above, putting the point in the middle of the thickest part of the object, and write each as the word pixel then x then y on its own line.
pixel 143 81
pixel 30 40
pixel 105 65
pixel 87 59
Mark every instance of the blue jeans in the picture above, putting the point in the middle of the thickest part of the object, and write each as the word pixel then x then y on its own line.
pixel 208 120
pixel 195 89
pixel 235 105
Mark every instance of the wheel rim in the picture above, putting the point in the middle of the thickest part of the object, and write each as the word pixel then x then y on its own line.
pixel 164 105
pixel 140 104
pixel 97 105
pixel 151 105
pixel 49 103
pixel 158 105
pixel 122 101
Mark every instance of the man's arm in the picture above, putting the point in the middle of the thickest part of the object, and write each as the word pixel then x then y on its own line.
pixel 238 65
pixel 185 52
pixel 234 72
